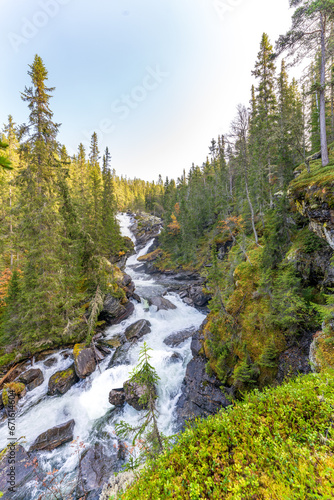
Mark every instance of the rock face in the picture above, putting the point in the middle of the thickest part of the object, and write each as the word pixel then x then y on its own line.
pixel 55 437
pixel 133 392
pixel 95 467
pixel 178 338
pixel 61 382
pixel 32 378
pixel 145 228
pixel 161 303
pixel 201 395
pixel 114 312
pixel 137 330
pixel 24 469
pixel 84 360
pixel 117 397
pixel 295 359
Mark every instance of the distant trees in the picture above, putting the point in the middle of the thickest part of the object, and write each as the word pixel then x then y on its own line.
pixel 312 25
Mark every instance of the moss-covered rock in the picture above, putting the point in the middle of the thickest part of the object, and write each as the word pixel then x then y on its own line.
pixel 60 382
pixel 84 360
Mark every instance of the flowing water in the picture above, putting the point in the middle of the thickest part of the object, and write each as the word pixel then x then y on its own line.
pixel 87 401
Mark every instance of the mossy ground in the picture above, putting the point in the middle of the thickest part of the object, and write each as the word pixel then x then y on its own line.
pixel 278 444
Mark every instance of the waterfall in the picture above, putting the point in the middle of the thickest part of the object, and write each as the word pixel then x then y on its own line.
pixel 87 401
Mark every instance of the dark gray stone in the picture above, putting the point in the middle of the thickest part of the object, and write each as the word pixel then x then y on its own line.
pixel 201 395
pixel 60 382
pixel 32 378
pixel 120 356
pixel 133 392
pixel 117 397
pixel 25 470
pixel 95 467
pixel 53 438
pixel 161 303
pixel 114 312
pixel 177 338
pixel 137 330
pixel 174 358
pixel 50 362
pixel 84 360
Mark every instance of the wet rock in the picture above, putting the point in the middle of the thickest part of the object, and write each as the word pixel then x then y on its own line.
pixel 115 341
pixel 50 362
pixel 201 395
pixel 60 382
pixel 114 312
pixel 117 397
pixel 1 403
pixel 32 378
pixel 137 330
pixel 174 358
pixel 24 469
pixel 53 438
pixel 133 392
pixel 178 338
pixel 95 467
pixel 121 355
pixel 136 297
pixel 161 303
pixel 84 360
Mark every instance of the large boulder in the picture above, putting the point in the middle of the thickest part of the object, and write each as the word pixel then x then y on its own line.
pixel 137 330
pixel 117 397
pixel 53 438
pixel 32 378
pixel 95 467
pixel 201 395
pixel 60 382
pixel 133 392
pixel 24 470
pixel 161 303
pixel 84 360
pixel 114 312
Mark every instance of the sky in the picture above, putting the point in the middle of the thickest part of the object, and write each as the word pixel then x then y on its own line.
pixel 156 80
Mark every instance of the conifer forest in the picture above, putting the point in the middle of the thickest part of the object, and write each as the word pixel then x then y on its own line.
pixel 228 272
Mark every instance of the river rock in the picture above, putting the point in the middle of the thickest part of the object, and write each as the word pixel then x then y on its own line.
pixel 161 303
pixel 117 397
pixel 120 356
pixel 32 378
pixel 84 360
pixel 177 338
pixel 137 329
pixel 50 362
pixel 174 358
pixel 95 466
pixel 53 438
pixel 114 312
pixel 60 382
pixel 133 392
pixel 25 470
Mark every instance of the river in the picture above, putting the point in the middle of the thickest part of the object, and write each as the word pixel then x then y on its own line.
pixel 87 401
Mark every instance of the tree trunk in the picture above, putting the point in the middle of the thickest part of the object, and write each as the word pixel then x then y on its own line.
pixel 252 212
pixel 323 135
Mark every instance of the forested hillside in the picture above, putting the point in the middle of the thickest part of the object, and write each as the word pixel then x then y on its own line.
pixel 59 235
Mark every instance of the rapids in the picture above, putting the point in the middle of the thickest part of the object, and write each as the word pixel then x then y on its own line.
pixel 87 401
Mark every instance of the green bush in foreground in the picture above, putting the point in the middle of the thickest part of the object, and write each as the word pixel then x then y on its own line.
pixel 277 444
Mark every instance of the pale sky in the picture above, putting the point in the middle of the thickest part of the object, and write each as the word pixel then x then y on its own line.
pixel 156 79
